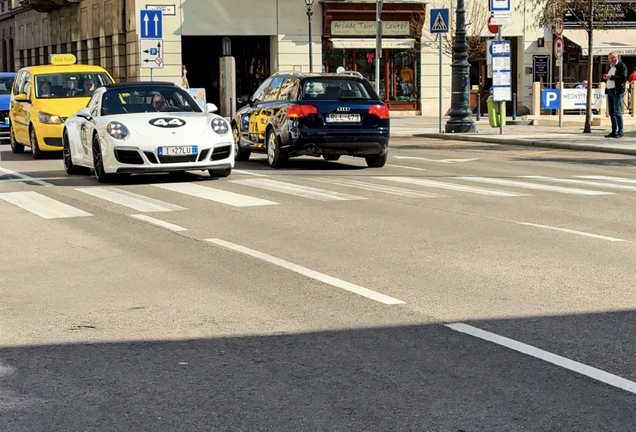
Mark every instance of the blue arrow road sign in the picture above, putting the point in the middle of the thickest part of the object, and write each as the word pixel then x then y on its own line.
pixel 439 21
pixel 550 98
pixel 151 24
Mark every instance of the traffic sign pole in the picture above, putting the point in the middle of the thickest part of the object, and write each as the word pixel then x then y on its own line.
pixel 439 21
pixel 558 54
pixel 151 39
pixel 501 117
pixel 440 82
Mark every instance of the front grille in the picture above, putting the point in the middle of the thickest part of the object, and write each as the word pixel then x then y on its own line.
pixel 151 157
pixel 203 155
pixel 4 113
pixel 57 142
pixel 177 159
pixel 221 152
pixel 128 157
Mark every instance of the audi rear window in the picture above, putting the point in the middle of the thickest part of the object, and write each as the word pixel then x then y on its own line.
pixel 337 89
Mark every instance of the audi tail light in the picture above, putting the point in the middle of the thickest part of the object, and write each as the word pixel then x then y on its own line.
pixel 380 110
pixel 301 111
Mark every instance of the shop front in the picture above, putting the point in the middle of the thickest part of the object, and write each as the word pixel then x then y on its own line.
pixel 349 41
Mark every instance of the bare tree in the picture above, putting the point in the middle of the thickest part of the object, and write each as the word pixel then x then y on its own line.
pixel 477 15
pixel 589 15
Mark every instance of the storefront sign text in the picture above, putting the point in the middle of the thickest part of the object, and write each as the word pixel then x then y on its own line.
pixel 367 28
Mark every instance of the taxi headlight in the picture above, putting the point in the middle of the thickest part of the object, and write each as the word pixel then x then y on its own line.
pixel 220 126
pixel 49 118
pixel 117 130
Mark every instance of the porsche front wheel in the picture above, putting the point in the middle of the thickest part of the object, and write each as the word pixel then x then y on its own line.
pixel 98 163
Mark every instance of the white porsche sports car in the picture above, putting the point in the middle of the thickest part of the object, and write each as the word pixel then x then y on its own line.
pixel 142 127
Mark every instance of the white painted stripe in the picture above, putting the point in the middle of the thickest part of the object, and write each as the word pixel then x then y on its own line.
pixel 581 233
pixel 218 195
pixel 584 182
pixel 39 178
pixel 406 167
pixel 338 283
pixel 248 172
pixel 159 222
pixel 128 199
pixel 616 179
pixel 297 190
pixel 41 205
pixel 25 177
pixel 451 186
pixel 574 366
pixel 536 186
pixel 372 187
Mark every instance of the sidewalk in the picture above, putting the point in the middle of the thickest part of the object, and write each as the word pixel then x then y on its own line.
pixel 566 137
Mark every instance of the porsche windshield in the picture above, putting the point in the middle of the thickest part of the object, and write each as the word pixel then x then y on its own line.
pixel 65 85
pixel 129 99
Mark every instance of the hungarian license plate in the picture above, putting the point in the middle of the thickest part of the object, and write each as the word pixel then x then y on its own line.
pixel 177 151
pixel 343 118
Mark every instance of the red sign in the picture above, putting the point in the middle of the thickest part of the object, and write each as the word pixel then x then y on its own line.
pixel 559 45
pixel 492 28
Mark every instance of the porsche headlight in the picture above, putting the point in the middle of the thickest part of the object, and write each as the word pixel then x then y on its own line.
pixel 49 118
pixel 220 126
pixel 117 130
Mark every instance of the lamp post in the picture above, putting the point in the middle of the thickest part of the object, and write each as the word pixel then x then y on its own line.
pixel 310 12
pixel 460 115
pixel 378 43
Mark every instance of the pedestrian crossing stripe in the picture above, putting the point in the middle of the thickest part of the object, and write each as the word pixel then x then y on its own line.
pixel 439 23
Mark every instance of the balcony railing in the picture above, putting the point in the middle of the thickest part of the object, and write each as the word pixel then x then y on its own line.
pixel 46 5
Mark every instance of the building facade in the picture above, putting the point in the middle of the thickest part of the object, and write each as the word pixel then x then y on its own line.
pixel 8 8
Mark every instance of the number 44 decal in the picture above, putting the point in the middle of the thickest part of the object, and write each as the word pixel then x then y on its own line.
pixel 167 122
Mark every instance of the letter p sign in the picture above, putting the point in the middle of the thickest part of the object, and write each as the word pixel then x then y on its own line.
pixel 550 98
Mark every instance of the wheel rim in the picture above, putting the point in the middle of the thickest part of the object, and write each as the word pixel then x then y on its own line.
pixel 34 142
pixel 235 133
pixel 271 147
pixel 97 159
pixel 66 151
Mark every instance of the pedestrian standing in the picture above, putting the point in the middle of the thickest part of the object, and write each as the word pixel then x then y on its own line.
pixel 615 78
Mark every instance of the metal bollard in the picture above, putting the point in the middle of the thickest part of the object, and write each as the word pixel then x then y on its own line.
pixel 514 106
pixel 478 107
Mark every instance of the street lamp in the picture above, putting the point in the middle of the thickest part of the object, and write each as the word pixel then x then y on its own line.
pixel 310 12
pixel 460 115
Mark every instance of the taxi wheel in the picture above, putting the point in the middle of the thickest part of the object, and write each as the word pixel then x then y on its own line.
pixel 15 147
pixel 98 163
pixel 240 153
pixel 274 157
pixel 36 153
pixel 377 161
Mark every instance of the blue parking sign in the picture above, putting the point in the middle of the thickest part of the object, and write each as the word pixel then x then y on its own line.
pixel 550 98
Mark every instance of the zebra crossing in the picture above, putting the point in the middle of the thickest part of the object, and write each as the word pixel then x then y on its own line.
pixel 265 192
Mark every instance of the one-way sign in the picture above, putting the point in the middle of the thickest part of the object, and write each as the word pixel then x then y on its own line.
pixel 151 54
pixel 439 21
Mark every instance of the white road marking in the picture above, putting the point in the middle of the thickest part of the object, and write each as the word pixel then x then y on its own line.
pixel 297 190
pixel 616 179
pixel 338 283
pixel 159 222
pixel 218 195
pixel 557 360
pixel 42 206
pixel 584 182
pixel 451 186
pixel 536 186
pixel 406 167
pixel 372 187
pixel 128 199
pixel 581 233
pixel 39 178
pixel 25 177
pixel 248 172
pixel 436 160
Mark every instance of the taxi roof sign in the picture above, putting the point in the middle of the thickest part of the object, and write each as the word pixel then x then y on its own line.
pixel 62 59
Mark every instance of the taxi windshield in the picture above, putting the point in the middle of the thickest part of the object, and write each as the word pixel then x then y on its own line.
pixel 67 85
pixel 6 82
pixel 138 99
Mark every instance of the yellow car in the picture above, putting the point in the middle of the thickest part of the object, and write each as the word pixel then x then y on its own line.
pixel 43 97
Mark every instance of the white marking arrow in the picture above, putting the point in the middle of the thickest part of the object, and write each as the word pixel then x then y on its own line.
pixel 146 23
pixel 436 160
pixel 156 25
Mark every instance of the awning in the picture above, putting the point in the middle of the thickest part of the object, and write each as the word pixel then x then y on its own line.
pixel 369 43
pixel 605 41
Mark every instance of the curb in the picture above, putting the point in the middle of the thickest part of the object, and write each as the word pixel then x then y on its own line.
pixel 530 143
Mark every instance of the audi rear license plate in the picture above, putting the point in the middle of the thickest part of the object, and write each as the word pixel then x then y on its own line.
pixel 343 118
pixel 178 151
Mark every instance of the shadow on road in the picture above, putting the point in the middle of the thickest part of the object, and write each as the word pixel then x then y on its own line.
pixel 413 378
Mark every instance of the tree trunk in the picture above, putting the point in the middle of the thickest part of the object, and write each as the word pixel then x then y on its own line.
pixel 590 69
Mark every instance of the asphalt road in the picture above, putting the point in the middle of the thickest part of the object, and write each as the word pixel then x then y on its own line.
pixel 463 287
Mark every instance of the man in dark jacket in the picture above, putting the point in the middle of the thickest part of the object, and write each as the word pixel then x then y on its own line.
pixel 615 77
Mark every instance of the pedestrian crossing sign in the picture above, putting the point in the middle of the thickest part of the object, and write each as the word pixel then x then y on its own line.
pixel 439 21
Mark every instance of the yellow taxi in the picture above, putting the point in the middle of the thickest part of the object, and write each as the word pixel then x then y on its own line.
pixel 43 97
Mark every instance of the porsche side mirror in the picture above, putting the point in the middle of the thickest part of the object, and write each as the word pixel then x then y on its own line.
pixel 211 107
pixel 85 113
